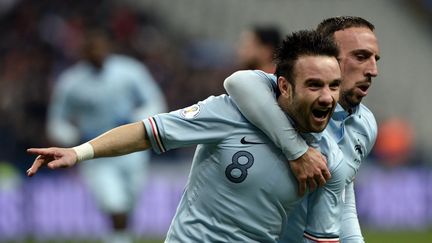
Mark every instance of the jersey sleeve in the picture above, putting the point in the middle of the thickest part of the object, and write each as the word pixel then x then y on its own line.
pixel 208 121
pixel 350 229
pixel 245 87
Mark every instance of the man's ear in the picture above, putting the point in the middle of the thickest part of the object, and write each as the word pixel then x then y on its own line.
pixel 285 87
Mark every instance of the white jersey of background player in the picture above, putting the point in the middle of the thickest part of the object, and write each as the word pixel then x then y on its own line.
pixel 99 92
pixel 240 188
pixel 86 103
pixel 353 126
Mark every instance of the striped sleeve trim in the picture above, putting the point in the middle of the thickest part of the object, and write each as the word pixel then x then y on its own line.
pixel 314 238
pixel 156 134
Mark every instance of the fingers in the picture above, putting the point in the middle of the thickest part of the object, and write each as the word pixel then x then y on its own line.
pixel 320 180
pixel 310 170
pixel 312 184
pixel 323 158
pixel 39 151
pixel 57 164
pixel 44 156
pixel 326 174
pixel 302 188
pixel 39 161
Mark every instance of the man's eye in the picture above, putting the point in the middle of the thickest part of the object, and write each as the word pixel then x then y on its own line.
pixel 334 87
pixel 361 57
pixel 314 86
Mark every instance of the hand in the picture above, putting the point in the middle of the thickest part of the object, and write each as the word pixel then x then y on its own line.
pixel 53 158
pixel 310 168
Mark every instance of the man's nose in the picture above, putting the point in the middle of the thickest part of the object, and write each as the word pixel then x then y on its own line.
pixel 326 97
pixel 372 68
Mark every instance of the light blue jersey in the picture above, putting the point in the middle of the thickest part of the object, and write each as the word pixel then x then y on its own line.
pixel 355 134
pixel 240 188
pixel 87 102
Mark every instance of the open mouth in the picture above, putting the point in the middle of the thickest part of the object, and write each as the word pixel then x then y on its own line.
pixel 364 86
pixel 321 113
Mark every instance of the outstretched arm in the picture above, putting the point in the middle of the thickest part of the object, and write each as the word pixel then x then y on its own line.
pixel 117 141
pixel 253 93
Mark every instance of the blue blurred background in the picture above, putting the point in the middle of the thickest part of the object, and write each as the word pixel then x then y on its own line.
pixel 189 46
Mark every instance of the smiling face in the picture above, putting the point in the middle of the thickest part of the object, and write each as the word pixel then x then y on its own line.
pixel 358 58
pixel 310 102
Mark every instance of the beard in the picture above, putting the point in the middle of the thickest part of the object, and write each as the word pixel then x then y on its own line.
pixel 349 99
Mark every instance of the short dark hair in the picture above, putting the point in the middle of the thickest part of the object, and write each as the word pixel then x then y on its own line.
pixel 301 43
pixel 268 35
pixel 329 26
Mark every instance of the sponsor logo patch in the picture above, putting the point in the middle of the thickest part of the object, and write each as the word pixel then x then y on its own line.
pixel 190 112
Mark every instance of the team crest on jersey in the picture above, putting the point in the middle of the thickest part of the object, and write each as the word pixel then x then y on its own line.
pixel 358 148
pixel 190 112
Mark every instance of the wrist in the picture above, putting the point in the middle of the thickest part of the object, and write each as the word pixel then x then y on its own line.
pixel 84 152
pixel 293 156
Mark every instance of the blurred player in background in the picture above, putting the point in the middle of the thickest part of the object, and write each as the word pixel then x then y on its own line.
pixel 240 188
pixel 256 48
pixel 352 126
pixel 102 91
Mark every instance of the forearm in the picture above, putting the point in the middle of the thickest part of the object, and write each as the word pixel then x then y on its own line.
pixel 255 98
pixel 350 231
pixel 118 141
pixel 121 140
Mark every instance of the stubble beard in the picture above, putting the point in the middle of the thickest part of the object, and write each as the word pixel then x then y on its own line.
pixel 348 99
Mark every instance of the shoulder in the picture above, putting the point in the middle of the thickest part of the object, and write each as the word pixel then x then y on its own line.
pixel 125 63
pixel 368 115
pixel 367 118
pixel 127 60
pixel 78 68
pixel 264 75
pixel 219 108
pixel 73 75
pixel 221 103
pixel 255 74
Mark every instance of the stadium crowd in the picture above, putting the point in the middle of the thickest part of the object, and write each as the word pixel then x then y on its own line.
pixel 40 39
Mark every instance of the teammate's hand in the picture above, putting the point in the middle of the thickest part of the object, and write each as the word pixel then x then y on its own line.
pixel 310 168
pixel 53 158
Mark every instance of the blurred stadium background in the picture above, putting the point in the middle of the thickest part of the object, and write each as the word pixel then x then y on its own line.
pixel 189 46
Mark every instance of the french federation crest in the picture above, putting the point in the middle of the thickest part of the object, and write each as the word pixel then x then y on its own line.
pixel 190 112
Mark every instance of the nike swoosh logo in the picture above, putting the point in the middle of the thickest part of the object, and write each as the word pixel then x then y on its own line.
pixel 243 141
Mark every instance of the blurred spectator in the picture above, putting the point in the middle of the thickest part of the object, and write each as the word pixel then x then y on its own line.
pixel 256 47
pixel 101 91
pixel 25 64
pixel 395 142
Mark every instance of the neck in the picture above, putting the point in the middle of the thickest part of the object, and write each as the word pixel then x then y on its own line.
pixel 348 108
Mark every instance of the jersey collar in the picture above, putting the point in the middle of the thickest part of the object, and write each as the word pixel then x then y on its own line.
pixel 340 113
